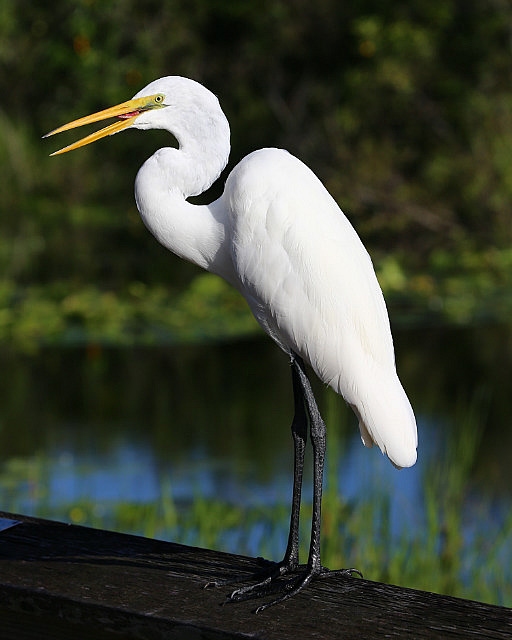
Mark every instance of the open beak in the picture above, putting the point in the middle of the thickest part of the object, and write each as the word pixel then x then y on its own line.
pixel 126 111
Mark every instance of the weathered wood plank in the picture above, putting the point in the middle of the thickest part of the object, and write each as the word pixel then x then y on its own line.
pixel 65 581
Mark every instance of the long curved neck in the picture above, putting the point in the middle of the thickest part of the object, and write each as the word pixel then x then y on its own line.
pixel 193 232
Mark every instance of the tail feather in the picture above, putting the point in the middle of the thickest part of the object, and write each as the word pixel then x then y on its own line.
pixel 386 419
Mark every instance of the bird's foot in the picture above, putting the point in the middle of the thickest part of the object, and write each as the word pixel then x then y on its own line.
pixel 270 584
pixel 271 571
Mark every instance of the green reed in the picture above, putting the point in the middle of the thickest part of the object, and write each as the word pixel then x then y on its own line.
pixel 439 554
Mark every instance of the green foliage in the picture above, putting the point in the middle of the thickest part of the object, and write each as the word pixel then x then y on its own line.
pixel 442 556
pixel 402 108
pixel 208 310
pixel 450 543
pixel 462 288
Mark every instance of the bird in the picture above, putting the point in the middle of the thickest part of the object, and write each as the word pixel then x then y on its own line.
pixel 279 238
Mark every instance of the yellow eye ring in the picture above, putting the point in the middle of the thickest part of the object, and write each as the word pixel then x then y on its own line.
pixel 159 98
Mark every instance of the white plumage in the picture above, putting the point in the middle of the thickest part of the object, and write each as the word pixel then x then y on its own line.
pixel 311 285
pixel 278 236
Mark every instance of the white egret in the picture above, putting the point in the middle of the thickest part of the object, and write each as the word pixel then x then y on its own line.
pixel 278 237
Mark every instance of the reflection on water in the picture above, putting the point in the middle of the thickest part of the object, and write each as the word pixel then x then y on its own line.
pixel 126 425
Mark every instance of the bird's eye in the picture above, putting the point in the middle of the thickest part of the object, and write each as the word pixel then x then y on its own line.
pixel 159 98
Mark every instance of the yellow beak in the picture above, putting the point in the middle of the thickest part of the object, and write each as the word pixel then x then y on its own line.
pixel 127 111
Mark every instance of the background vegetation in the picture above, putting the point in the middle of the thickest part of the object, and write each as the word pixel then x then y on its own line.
pixel 403 108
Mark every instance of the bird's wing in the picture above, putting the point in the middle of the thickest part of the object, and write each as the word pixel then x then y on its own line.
pixel 311 285
pixel 297 255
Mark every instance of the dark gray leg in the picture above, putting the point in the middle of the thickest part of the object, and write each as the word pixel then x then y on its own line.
pixel 291 557
pixel 306 411
pixel 318 441
pixel 299 434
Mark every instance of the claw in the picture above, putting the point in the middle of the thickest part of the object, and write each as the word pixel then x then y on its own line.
pixel 356 571
pixel 273 583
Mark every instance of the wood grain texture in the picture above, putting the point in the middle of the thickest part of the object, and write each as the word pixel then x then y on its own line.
pixel 65 581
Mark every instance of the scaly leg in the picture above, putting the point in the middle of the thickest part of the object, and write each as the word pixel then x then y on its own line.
pixel 290 562
pixel 300 435
pixel 304 397
pixel 306 410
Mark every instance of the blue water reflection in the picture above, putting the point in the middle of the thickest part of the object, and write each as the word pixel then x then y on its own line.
pixel 132 472
pixel 113 426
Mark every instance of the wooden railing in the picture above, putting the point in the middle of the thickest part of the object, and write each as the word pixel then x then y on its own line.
pixel 61 581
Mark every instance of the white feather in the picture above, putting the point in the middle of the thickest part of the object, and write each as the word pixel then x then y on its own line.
pixel 279 237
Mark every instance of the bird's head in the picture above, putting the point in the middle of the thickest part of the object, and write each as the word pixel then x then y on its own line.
pixel 167 100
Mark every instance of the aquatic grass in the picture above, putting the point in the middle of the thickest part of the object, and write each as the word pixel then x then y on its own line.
pixel 353 535
pixel 447 550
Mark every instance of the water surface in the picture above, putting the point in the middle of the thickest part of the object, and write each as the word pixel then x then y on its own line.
pixel 114 425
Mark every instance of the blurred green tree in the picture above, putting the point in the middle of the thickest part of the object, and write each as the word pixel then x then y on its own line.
pixel 401 108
